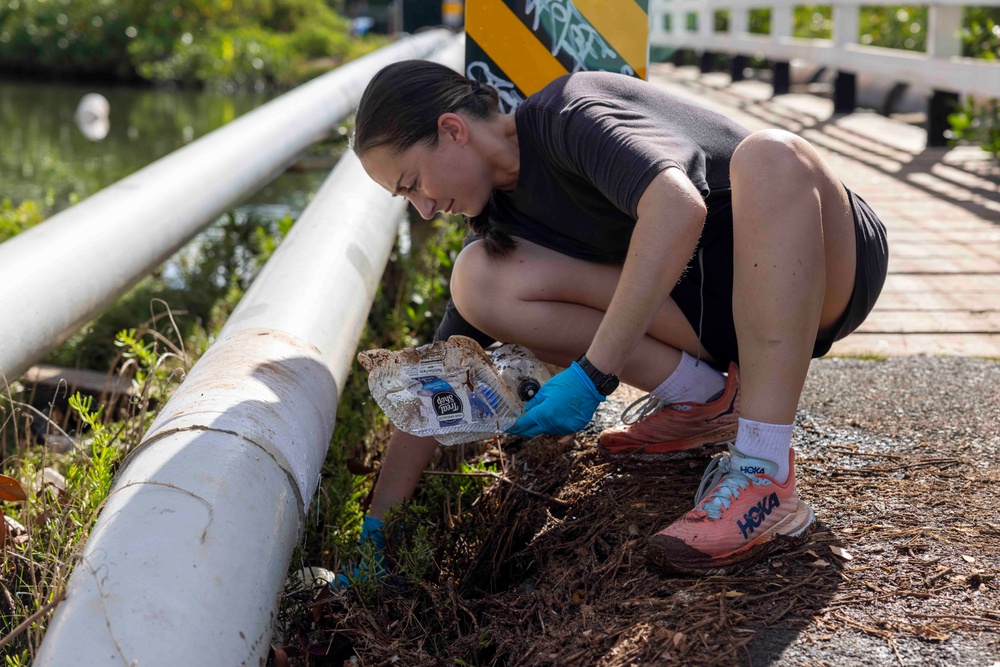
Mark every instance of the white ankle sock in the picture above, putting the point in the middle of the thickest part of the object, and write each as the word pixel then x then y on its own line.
pixel 766 441
pixel 693 381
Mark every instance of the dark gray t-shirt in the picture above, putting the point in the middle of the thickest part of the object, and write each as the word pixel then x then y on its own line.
pixel 590 143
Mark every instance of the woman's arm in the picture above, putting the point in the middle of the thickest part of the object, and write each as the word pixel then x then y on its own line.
pixel 406 458
pixel 671 214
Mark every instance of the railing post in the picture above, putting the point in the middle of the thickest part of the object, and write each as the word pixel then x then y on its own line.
pixel 943 26
pixel 657 19
pixel 845 92
pixel 782 21
pixel 942 103
pixel 706 27
pixel 944 23
pixel 739 21
pixel 706 61
pixel 738 26
pixel 678 19
pixel 782 17
pixel 737 64
pixel 845 31
pixel 846 24
pixel 781 77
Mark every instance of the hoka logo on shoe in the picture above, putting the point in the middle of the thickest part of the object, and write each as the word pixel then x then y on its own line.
pixel 756 515
pixel 752 470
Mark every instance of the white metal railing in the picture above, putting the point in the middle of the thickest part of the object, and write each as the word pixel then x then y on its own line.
pixel 941 67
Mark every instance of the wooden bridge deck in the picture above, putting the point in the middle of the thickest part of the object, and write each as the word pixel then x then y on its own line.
pixel 941 208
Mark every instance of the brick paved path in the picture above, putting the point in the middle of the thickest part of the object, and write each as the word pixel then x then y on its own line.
pixel 941 208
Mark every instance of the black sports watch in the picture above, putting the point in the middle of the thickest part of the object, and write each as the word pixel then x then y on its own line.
pixel 605 382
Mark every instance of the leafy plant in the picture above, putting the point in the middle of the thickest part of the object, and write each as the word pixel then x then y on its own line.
pixel 65 492
pixel 214 42
pixel 16 219
pixel 203 286
pixel 813 21
pixel 977 123
pixel 894 27
pixel 759 21
pixel 973 121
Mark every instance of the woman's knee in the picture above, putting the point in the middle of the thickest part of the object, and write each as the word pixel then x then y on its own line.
pixel 477 283
pixel 768 153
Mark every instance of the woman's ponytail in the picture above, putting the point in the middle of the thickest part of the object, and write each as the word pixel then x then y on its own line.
pixel 496 241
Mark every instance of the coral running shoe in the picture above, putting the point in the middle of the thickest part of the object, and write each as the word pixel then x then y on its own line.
pixel 653 426
pixel 741 515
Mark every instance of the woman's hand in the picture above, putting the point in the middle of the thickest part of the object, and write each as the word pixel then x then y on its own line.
pixel 564 405
pixel 371 531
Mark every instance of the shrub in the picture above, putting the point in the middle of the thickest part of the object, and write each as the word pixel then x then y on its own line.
pixel 212 42
pixel 16 219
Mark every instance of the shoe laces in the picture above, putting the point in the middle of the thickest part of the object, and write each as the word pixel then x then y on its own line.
pixel 646 407
pixel 721 485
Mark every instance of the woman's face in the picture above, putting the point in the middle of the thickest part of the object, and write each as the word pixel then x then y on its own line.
pixel 449 176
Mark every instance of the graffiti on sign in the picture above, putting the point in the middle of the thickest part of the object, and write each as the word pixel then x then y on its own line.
pixel 518 46
pixel 569 32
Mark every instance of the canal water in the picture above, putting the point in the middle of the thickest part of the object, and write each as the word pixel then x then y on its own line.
pixel 45 156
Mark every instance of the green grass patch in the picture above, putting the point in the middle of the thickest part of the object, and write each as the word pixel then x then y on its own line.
pixel 66 491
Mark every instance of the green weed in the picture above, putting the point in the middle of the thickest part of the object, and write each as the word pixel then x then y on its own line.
pixel 16 219
pixel 863 356
pixel 203 289
pixel 977 123
pixel 67 491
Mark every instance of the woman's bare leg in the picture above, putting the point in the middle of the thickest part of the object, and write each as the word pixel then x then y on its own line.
pixel 794 261
pixel 553 304
pixel 794 257
pixel 406 457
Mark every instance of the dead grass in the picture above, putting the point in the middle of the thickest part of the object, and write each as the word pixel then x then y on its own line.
pixel 549 570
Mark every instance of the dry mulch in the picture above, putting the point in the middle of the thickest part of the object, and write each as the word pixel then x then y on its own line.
pixel 898 458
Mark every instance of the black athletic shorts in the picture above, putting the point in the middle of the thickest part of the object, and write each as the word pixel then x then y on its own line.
pixel 708 305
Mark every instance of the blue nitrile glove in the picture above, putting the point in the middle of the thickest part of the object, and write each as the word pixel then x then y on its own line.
pixel 564 405
pixel 371 531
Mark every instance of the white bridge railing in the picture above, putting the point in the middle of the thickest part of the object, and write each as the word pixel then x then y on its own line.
pixel 941 67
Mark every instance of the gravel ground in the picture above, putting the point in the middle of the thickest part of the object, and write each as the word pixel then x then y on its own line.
pixel 918 408
pixel 924 403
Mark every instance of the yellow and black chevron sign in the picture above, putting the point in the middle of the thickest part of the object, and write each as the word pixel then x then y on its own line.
pixel 518 46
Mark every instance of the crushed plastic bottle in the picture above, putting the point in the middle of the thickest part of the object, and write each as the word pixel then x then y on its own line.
pixel 452 390
pixel 520 369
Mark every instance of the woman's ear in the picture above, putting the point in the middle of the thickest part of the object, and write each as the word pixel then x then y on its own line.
pixel 453 127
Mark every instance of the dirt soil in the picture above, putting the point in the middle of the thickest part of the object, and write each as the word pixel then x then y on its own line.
pixel 898 458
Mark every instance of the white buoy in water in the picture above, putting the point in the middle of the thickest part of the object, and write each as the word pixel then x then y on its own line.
pixel 92 116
